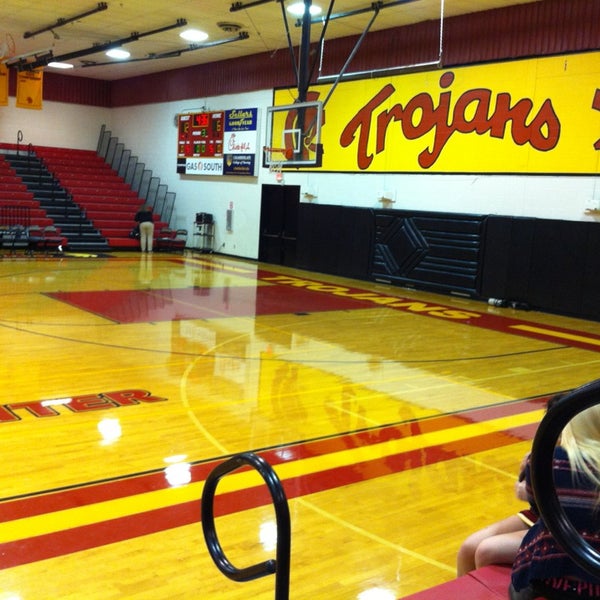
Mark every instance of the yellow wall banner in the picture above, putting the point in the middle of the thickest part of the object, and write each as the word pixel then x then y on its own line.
pixel 29 89
pixel 529 116
pixel 3 85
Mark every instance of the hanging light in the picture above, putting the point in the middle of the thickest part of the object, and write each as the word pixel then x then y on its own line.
pixel 118 53
pixel 297 9
pixel 60 65
pixel 193 35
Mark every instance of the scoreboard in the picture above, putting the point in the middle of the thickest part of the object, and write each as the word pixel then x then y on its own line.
pixel 200 135
pixel 217 143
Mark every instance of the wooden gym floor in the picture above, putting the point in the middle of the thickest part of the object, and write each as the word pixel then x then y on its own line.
pixel 395 419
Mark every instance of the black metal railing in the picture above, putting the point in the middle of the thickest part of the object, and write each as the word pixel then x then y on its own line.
pixel 542 479
pixel 280 566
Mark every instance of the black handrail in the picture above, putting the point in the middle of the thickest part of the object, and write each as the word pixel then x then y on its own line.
pixel 542 479
pixel 30 154
pixel 281 565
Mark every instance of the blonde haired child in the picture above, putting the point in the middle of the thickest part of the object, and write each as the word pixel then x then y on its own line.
pixel 542 569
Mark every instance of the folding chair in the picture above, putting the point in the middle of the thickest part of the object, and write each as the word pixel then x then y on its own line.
pixel 15 236
pixel 35 239
pixel 165 239
pixel 52 239
pixel 180 240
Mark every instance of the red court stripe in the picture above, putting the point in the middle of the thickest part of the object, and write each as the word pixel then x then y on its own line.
pixel 99 534
pixel 63 499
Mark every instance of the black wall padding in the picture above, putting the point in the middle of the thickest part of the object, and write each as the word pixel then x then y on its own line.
pixel 506 261
pixel 556 276
pixel 335 240
pixel 436 251
pixel 590 266
pixel 549 264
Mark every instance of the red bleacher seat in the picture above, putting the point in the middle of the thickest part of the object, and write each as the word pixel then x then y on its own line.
pixel 487 583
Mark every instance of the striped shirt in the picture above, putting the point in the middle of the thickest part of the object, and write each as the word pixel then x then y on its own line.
pixel 540 558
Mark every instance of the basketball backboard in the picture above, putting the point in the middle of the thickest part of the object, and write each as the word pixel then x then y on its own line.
pixel 293 137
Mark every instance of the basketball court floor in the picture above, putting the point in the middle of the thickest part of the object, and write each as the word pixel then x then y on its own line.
pixel 395 420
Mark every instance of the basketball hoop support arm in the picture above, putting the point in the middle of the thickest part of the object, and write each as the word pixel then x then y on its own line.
pixel 352 54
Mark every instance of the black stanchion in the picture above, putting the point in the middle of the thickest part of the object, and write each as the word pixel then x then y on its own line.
pixel 281 565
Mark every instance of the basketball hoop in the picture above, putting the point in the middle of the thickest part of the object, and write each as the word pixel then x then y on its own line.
pixel 276 165
pixel 268 151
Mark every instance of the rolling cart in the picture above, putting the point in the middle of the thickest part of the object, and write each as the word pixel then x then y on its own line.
pixel 205 233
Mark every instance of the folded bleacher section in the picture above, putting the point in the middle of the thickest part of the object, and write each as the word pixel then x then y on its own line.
pixel 52 205
pixel 17 204
pixel 75 191
pixel 99 191
pixel 20 212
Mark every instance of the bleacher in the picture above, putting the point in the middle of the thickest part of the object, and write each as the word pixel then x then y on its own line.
pixel 487 583
pixel 16 201
pixel 107 200
pixel 96 205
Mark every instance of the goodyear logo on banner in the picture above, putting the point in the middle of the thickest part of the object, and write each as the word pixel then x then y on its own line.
pixel 240 141
pixel 531 116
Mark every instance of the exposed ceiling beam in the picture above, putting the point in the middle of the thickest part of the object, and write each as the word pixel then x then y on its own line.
pixel 375 6
pixel 236 6
pixel 242 35
pixel 60 22
pixel 44 61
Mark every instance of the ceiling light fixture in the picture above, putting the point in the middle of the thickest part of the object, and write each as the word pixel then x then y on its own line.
pixel 118 53
pixel 297 9
pixel 242 35
pixel 193 35
pixel 60 65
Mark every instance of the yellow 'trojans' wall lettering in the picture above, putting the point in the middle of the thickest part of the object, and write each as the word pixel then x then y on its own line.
pixel 531 116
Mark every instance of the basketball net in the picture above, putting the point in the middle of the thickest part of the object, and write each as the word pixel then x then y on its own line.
pixel 7 47
pixel 277 168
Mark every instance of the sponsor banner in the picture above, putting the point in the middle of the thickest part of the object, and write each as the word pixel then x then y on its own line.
pixel 241 119
pixel 204 166
pixel 240 141
pixel 529 116
pixel 239 164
